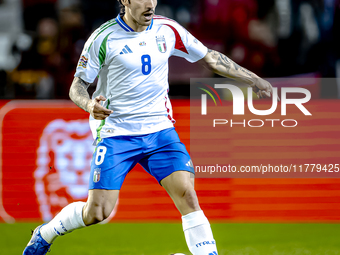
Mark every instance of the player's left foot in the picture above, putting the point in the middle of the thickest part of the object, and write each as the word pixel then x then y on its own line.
pixel 37 245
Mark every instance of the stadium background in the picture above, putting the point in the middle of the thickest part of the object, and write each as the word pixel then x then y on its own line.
pixel 46 144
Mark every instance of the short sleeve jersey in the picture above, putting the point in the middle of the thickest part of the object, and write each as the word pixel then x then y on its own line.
pixel 132 71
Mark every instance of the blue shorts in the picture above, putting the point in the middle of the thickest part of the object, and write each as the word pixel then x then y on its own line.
pixel 160 154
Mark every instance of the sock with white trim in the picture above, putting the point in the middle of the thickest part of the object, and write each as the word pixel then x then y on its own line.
pixel 67 220
pixel 198 234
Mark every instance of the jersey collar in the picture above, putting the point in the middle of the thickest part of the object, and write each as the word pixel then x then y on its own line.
pixel 126 27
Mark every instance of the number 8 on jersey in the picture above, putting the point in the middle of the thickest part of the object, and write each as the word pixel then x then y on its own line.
pixel 146 64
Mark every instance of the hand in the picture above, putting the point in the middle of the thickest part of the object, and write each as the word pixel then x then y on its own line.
pixel 97 111
pixel 262 88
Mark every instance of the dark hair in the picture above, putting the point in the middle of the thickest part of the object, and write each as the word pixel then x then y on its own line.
pixel 121 6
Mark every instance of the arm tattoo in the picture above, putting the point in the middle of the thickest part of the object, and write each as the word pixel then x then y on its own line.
pixel 223 61
pixel 237 67
pixel 226 67
pixel 79 94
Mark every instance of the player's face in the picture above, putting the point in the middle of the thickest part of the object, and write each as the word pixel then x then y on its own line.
pixel 140 12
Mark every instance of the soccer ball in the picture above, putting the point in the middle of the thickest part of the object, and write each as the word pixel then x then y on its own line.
pixel 178 254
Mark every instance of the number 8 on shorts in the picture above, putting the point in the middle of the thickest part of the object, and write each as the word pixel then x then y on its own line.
pixel 101 150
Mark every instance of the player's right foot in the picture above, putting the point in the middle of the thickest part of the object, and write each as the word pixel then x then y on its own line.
pixel 37 245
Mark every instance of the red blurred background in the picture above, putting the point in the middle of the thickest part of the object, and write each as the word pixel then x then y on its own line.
pixel 41 172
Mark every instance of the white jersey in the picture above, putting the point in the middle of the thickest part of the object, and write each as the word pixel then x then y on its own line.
pixel 132 68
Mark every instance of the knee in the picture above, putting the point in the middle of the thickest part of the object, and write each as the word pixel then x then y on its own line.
pixel 190 198
pixel 94 214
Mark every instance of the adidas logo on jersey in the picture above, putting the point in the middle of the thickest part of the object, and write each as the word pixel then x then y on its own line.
pixel 126 50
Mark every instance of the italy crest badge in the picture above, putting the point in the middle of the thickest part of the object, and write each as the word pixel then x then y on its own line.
pixel 161 43
pixel 96 175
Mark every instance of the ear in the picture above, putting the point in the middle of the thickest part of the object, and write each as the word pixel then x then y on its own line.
pixel 125 2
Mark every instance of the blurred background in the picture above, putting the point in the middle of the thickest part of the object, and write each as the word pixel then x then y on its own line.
pixel 45 145
pixel 41 40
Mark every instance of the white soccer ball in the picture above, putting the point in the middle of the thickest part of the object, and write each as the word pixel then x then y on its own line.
pixel 178 254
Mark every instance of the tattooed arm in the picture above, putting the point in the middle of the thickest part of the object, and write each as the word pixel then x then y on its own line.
pixel 224 66
pixel 80 96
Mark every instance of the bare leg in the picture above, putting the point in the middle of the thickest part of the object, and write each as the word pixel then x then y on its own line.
pixel 99 205
pixel 180 187
pixel 196 227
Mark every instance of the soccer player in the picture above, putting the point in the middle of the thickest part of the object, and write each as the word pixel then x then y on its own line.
pixel 131 119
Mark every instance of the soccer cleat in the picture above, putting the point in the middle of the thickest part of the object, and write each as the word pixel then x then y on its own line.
pixel 37 245
pixel 213 253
